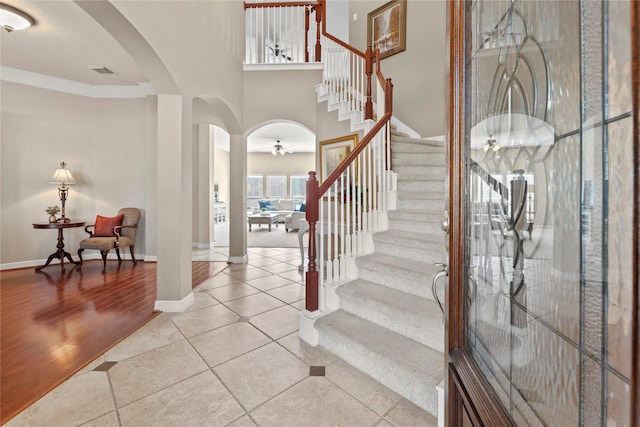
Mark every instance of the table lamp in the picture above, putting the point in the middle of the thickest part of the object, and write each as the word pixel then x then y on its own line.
pixel 62 176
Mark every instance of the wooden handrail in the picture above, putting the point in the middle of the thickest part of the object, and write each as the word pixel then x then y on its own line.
pixel 279 4
pixel 344 45
pixel 333 177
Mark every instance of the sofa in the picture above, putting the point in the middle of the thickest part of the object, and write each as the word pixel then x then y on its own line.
pixel 292 221
pixel 282 207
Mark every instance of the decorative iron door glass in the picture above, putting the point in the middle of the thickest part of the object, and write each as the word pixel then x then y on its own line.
pixel 550 276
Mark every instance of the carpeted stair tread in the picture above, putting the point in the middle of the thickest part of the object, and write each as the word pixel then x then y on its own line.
pixel 406 275
pixel 410 245
pixel 417 221
pixel 418 159
pixel 420 195
pixel 397 138
pixel 407 238
pixel 411 316
pixel 415 215
pixel 405 366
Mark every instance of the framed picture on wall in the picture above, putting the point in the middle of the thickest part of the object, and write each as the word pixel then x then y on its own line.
pixel 387 28
pixel 334 151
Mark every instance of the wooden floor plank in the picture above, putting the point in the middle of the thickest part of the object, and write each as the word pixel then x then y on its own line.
pixel 53 324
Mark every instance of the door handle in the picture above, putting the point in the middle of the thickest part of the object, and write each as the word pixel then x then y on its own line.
pixel 434 285
pixel 444 224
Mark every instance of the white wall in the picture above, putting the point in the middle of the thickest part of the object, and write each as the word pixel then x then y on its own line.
pixel 103 143
pixel 418 73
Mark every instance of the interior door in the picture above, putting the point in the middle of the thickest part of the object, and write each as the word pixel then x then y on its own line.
pixel 542 303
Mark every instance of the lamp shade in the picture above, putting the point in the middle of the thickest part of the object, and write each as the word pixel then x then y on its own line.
pixel 62 176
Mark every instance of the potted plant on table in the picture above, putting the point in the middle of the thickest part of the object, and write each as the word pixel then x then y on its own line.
pixel 52 211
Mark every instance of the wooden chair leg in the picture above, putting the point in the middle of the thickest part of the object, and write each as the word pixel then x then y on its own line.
pixel 104 261
pixel 79 267
pixel 133 257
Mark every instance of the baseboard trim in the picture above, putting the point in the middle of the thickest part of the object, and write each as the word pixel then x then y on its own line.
pixel 86 257
pixel 201 245
pixel 175 306
pixel 239 259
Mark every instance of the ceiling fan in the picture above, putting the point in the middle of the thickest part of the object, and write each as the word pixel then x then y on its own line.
pixel 277 149
pixel 279 53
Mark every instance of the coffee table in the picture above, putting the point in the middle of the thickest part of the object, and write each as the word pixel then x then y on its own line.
pixel 262 219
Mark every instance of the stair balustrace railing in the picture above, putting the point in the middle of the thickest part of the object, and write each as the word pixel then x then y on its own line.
pixel 282 33
pixel 345 208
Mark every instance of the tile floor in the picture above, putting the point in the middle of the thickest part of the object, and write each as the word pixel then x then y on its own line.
pixel 232 359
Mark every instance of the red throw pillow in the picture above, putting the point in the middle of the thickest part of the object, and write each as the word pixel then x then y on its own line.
pixel 104 225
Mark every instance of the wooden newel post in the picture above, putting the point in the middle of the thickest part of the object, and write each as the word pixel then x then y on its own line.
pixel 368 106
pixel 311 277
pixel 388 101
pixel 319 17
pixel 307 11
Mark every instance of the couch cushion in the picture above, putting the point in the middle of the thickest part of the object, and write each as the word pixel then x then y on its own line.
pixel 104 225
pixel 285 205
pixel 264 203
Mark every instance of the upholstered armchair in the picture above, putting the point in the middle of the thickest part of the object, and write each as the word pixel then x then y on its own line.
pixel 292 221
pixel 111 233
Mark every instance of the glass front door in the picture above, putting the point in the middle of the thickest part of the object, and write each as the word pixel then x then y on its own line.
pixel 548 216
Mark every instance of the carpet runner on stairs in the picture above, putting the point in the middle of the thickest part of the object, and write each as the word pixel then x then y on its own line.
pixel 388 325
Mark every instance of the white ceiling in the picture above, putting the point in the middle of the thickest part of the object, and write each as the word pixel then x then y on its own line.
pixel 66 41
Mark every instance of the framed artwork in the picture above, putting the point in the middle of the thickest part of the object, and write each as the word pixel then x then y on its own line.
pixel 334 151
pixel 387 28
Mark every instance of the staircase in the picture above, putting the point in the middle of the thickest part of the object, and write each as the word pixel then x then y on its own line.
pixel 388 325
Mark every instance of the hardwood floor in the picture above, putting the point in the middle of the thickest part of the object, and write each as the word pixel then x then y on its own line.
pixel 53 324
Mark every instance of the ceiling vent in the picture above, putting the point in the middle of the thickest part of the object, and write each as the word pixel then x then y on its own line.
pixel 101 70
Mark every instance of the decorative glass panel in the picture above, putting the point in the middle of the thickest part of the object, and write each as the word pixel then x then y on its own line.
pixel 549 218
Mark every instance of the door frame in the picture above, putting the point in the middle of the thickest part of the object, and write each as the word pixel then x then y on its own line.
pixel 468 395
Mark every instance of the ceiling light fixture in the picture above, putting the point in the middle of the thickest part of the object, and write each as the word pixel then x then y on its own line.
pixel 278 149
pixel 14 19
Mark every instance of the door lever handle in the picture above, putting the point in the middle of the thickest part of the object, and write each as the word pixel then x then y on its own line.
pixel 434 285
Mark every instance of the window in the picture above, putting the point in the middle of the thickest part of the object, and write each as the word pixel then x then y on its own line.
pixel 276 186
pixel 299 186
pixel 254 190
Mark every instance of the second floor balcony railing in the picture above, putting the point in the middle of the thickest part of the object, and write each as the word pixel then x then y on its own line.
pixel 282 33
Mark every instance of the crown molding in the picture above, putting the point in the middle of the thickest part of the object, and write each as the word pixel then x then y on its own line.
pixel 43 81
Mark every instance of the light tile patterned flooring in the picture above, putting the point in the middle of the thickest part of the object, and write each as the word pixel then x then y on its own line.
pixel 232 359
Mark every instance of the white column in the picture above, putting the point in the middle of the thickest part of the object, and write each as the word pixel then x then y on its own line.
pixel 237 213
pixel 205 189
pixel 150 215
pixel 174 203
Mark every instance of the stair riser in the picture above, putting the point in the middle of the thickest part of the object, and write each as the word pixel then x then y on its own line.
pixel 405 147
pixel 394 376
pixel 415 226
pixel 409 282
pixel 429 253
pixel 420 329
pixel 426 172
pixel 417 159
pixel 429 205
pixel 421 185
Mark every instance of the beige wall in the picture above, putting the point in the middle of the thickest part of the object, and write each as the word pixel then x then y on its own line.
pixel 280 95
pixel 290 164
pixel 103 143
pixel 418 73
